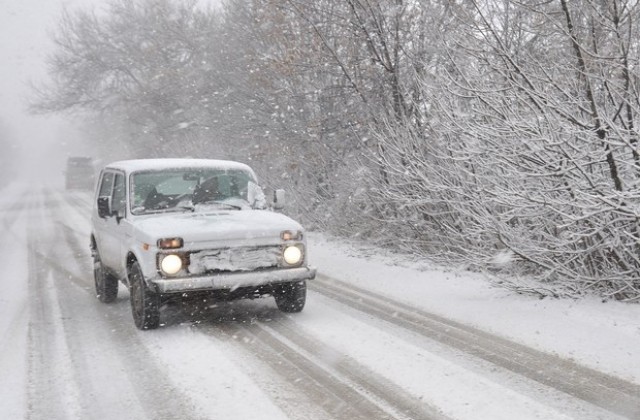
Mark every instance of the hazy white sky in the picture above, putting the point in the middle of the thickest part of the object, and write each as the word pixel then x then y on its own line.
pixel 25 41
pixel 26 27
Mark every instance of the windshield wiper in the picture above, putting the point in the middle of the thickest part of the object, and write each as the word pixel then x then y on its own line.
pixel 187 207
pixel 224 203
pixel 166 210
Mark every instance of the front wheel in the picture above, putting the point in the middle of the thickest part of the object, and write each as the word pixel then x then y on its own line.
pixel 106 284
pixel 145 304
pixel 291 297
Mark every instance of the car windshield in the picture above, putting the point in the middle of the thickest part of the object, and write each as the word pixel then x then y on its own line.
pixel 183 189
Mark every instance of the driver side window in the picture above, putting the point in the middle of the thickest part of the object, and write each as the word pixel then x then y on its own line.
pixel 119 197
pixel 107 185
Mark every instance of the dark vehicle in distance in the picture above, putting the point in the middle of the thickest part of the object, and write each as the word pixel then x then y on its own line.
pixel 79 173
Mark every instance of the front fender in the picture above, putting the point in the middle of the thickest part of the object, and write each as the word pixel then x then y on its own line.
pixel 146 258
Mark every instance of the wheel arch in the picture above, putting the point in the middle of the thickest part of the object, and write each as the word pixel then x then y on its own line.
pixel 130 260
pixel 93 245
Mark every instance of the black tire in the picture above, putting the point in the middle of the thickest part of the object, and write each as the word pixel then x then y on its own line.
pixel 291 297
pixel 145 304
pixel 106 284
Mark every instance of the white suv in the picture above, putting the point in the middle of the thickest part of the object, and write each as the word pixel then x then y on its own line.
pixel 186 227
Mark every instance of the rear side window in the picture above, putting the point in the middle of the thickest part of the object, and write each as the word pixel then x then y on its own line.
pixel 106 186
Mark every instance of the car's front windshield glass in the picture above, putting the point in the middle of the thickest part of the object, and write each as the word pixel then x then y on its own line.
pixel 184 189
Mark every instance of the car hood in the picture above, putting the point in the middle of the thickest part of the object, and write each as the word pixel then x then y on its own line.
pixel 215 226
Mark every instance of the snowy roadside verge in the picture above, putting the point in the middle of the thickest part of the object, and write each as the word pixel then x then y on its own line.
pixel 599 335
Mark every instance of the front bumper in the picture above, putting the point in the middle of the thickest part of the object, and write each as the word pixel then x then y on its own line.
pixel 232 281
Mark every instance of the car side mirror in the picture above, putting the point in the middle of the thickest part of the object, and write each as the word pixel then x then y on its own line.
pixel 104 207
pixel 279 199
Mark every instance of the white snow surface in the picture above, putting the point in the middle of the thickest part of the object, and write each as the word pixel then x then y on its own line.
pixel 223 225
pixel 604 335
pixel 135 165
pixel 14 323
pixel 218 379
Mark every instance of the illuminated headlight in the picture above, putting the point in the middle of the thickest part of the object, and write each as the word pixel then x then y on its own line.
pixel 292 255
pixel 171 264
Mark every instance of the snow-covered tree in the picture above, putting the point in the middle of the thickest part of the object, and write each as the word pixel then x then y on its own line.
pixel 147 64
pixel 470 131
pixel 536 143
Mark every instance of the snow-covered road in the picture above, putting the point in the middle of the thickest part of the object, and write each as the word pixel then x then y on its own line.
pixel 358 350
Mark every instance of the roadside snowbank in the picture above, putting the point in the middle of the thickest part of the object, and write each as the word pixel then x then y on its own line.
pixel 603 336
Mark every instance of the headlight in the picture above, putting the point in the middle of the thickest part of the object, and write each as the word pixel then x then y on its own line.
pixel 292 255
pixel 171 264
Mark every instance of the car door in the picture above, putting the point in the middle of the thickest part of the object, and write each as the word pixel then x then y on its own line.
pixel 119 228
pixel 100 225
pixel 112 232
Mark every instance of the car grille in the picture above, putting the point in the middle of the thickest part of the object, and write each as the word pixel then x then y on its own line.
pixel 234 259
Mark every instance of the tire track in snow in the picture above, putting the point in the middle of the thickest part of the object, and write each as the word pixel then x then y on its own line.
pixel 103 370
pixel 148 382
pixel 339 385
pixel 14 310
pixel 8 216
pixel 81 198
pixel 359 375
pixel 613 394
pixel 323 388
pixel 51 392
pixel 5 214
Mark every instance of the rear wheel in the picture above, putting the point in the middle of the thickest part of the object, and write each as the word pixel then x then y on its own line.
pixel 106 284
pixel 145 304
pixel 291 297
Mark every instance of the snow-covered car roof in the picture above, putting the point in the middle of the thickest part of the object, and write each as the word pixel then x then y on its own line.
pixel 136 165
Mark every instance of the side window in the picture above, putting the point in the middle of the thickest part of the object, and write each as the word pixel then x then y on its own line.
pixel 106 185
pixel 119 198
